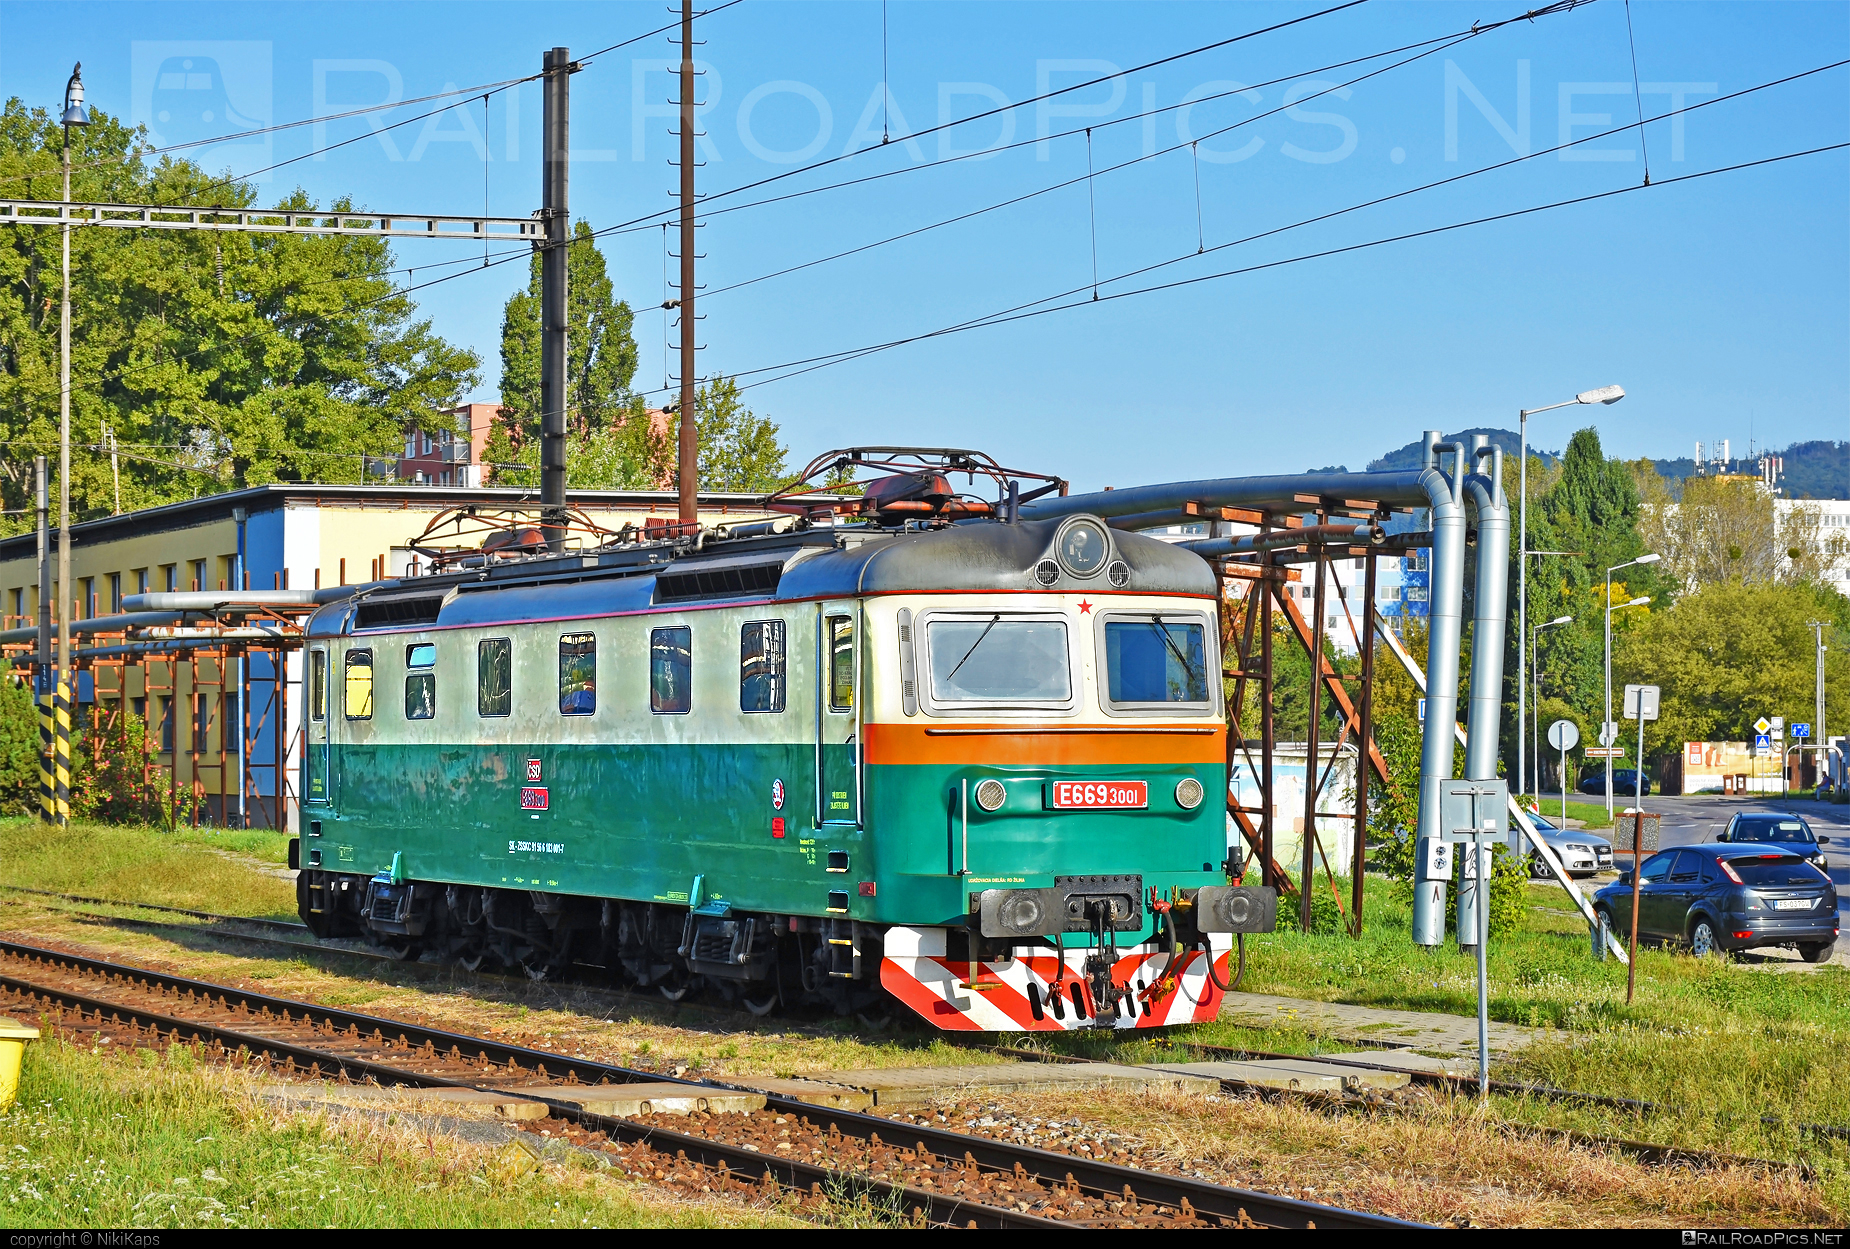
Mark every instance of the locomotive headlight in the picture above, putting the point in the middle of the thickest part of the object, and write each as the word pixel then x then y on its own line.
pixel 1189 793
pixel 991 794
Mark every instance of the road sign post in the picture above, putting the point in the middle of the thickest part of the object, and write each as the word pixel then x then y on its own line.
pixel 1474 815
pixel 1641 703
pixel 1562 735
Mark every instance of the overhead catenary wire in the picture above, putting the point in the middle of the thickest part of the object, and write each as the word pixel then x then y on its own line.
pixel 796 368
pixel 1450 42
pixel 1637 92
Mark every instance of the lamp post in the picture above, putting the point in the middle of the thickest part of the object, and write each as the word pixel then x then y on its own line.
pixel 1606 727
pixel 1606 395
pixel 74 115
pixel 1535 664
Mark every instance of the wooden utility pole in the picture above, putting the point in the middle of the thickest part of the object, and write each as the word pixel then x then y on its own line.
pixel 689 441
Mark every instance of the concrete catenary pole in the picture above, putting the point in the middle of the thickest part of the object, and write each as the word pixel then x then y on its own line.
pixel 1488 622
pixel 555 209
pixel 688 442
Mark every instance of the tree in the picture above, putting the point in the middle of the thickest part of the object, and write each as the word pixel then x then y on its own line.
pixel 19 748
pixel 1729 529
pixel 600 353
pixel 1731 653
pixel 739 450
pixel 215 360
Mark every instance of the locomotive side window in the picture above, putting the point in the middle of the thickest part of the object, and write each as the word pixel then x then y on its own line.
pixel 357 698
pixel 671 670
pixel 997 658
pixel 494 677
pixel 841 663
pixel 577 674
pixel 318 684
pixel 1156 659
pixel 761 666
pixel 420 681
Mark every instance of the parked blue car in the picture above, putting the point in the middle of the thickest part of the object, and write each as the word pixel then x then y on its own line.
pixel 1624 781
pixel 1718 898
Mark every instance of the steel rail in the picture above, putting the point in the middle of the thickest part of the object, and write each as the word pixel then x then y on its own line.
pixel 1046 1167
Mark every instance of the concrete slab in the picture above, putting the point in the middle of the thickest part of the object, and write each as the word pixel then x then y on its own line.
pixel 908 1086
pixel 446 1101
pixel 1407 1060
pixel 625 1100
pixel 813 1092
pixel 1410 1028
pixel 1305 1075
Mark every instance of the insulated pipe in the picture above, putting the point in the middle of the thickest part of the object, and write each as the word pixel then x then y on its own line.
pixel 101 624
pixel 1489 619
pixel 1167 502
pixel 241 600
pixel 1310 535
pixel 1444 623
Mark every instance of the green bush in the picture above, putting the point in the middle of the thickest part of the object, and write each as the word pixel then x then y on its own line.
pixel 19 748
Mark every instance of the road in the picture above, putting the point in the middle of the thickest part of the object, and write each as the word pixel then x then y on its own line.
pixel 1698 817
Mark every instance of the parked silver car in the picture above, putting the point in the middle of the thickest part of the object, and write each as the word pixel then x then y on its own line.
pixel 1581 853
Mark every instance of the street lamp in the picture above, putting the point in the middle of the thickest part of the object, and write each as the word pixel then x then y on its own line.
pixel 1608 731
pixel 1606 395
pixel 74 115
pixel 1535 663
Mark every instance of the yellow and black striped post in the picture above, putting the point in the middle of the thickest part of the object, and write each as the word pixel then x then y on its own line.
pixel 48 794
pixel 61 772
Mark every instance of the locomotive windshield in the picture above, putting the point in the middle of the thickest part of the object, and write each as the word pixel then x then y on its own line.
pixel 1155 659
pixel 999 659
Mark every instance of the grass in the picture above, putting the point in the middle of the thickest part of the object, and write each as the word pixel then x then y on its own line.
pixel 200 869
pixel 145 1139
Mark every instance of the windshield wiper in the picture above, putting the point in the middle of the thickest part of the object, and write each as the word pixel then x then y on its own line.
pixel 975 644
pixel 1156 622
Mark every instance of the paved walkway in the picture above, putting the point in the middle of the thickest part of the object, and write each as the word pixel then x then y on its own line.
pixel 1456 1034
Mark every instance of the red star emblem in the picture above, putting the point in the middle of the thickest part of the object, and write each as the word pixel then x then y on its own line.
pixel 1085 608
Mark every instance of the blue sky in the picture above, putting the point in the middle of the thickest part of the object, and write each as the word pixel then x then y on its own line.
pixel 1722 304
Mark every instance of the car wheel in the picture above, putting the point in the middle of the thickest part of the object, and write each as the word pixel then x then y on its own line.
pixel 1817 953
pixel 1702 942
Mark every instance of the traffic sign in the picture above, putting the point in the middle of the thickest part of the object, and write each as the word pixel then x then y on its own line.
pixel 1779 722
pixel 1641 702
pixel 1762 726
pixel 1609 732
pixel 1605 752
pixel 1762 742
pixel 1563 734
pixel 1801 730
pixel 1422 711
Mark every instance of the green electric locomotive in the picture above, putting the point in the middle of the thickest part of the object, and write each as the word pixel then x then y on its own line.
pixel 973 764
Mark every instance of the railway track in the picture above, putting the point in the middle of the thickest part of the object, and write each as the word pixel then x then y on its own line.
pixel 932 1175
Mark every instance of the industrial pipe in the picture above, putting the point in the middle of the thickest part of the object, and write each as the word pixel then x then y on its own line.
pixel 1488 621
pixel 1445 610
pixel 100 624
pixel 210 601
pixel 1310 535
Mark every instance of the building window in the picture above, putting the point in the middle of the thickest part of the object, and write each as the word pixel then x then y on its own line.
pixel 199 575
pixel 420 681
pixel 494 677
pixel 163 710
pixel 671 670
pixel 1416 594
pixel 141 581
pixel 841 663
pixel 761 666
pixel 115 592
pixel 233 729
pixel 357 698
pixel 19 607
pixel 578 674
pixel 86 604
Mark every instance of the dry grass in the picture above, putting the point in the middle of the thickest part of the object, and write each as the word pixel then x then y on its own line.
pixel 1436 1161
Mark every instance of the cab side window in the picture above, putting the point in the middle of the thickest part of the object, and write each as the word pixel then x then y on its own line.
pixel 761 666
pixel 494 677
pixel 357 698
pixel 841 663
pixel 318 684
pixel 671 670
pixel 420 681
pixel 577 674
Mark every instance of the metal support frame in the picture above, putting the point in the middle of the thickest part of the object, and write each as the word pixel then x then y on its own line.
pixel 28 212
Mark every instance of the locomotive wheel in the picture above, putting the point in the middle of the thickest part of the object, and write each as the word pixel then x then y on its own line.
pixel 760 1009
pixel 404 949
pixel 673 993
pixel 472 958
